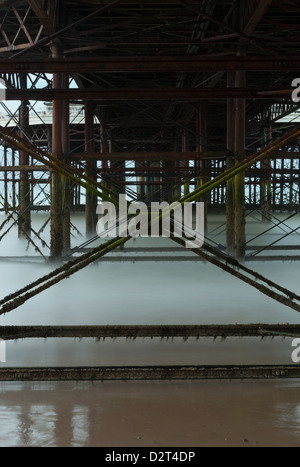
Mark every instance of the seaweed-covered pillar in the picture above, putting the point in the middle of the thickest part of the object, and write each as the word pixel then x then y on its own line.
pixel 14 182
pixel 91 198
pixel 67 195
pixel 24 186
pixel 239 194
pixel 56 211
pixel 230 214
pixel 6 205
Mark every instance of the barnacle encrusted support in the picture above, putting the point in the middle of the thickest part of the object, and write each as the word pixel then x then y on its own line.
pixel 24 213
pixel 56 179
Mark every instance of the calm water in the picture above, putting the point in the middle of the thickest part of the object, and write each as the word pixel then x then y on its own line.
pixel 147 293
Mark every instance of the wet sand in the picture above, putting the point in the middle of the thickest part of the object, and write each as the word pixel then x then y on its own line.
pixel 151 414
pixel 215 413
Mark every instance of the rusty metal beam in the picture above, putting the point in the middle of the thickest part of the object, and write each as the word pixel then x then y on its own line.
pixel 14 47
pixel 170 156
pixel 23 168
pixel 70 27
pixel 226 26
pixel 150 156
pixel 146 156
pixel 255 19
pixel 42 16
pixel 22 24
pixel 8 3
pixel 101 94
pixel 148 64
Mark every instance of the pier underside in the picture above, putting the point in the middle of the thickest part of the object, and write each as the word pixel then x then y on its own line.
pixel 161 101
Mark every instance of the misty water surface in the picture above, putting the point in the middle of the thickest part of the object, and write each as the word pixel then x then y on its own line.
pixel 147 293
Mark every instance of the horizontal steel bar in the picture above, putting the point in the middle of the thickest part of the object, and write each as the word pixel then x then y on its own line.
pixel 151 156
pixel 182 249
pixel 273 247
pixel 191 259
pixel 31 180
pixel 280 258
pixel 149 259
pixel 150 373
pixel 232 330
pixel 145 94
pixel 173 259
pixel 24 168
pixel 146 64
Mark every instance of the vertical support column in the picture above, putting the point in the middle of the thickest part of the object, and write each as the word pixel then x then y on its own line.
pixel 78 191
pixel 157 187
pixel 202 148
pixel 178 188
pixel 282 186
pixel 49 139
pixel 115 166
pixel 103 144
pixel 6 208
pixel 66 186
pixel 119 176
pixel 240 142
pixel 266 189
pixel 13 163
pixel 24 185
pixel 91 198
pixel 269 181
pixel 291 201
pixel 176 192
pixel 230 212
pixel 170 179
pixel 185 148
pixel 56 211
pixel 140 188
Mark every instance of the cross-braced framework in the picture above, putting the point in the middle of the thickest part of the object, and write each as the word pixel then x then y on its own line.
pixel 161 100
